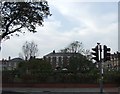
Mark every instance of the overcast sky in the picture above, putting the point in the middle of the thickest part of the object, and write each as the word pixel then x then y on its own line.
pixel 87 22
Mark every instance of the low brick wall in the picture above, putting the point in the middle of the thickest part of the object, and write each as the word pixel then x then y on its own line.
pixel 58 85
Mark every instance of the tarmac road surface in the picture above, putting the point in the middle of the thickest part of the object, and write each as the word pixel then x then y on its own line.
pixel 58 91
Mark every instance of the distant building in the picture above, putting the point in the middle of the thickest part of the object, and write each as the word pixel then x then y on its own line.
pixel 58 60
pixel 10 64
pixel 113 63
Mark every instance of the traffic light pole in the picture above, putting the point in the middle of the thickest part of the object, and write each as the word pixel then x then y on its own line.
pixel 101 68
pixel 98 58
pixel 101 78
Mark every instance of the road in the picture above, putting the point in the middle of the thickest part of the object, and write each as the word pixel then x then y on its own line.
pixel 63 90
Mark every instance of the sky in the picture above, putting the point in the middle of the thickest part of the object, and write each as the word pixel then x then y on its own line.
pixel 87 22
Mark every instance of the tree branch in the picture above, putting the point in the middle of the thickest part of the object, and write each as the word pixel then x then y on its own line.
pixel 15 29
pixel 7 33
pixel 7 26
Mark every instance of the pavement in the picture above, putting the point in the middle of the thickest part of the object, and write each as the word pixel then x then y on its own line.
pixel 63 90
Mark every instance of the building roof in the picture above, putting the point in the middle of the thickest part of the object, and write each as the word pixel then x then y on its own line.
pixel 16 60
pixel 60 54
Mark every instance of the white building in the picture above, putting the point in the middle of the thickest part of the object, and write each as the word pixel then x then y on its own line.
pixel 10 64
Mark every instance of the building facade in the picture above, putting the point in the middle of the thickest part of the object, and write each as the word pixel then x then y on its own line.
pixel 10 64
pixel 58 60
pixel 113 63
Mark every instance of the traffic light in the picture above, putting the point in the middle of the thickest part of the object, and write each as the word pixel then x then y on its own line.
pixel 95 54
pixel 106 53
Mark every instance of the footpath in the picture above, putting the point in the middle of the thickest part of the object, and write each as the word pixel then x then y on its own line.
pixel 61 89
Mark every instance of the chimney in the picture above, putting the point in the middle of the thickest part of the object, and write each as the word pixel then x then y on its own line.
pixel 53 51
pixel 9 58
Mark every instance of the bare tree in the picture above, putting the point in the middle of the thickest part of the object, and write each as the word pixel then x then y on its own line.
pixel 21 56
pixel 74 47
pixel 30 49
pixel 88 54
